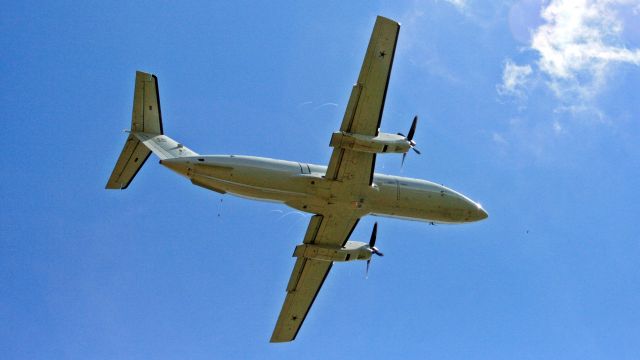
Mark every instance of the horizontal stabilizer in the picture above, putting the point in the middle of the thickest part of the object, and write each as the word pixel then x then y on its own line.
pixel 129 163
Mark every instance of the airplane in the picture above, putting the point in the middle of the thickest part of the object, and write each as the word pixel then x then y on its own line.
pixel 337 195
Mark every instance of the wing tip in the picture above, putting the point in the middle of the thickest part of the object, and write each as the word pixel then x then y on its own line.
pixel 381 18
pixel 275 340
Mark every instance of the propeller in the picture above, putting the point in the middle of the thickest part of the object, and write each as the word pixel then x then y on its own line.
pixel 409 138
pixel 372 246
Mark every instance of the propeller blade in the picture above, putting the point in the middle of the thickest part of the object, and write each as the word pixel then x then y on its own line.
pixel 412 131
pixel 372 241
pixel 366 274
pixel 374 234
pixel 409 138
pixel 372 247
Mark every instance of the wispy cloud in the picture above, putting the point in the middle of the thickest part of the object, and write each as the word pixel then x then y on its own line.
pixel 325 104
pixel 514 79
pixel 420 47
pixel 557 127
pixel 307 103
pixel 579 43
pixel 525 141
pixel 499 139
pixel 461 5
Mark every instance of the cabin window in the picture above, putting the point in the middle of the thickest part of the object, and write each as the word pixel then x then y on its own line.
pixel 200 159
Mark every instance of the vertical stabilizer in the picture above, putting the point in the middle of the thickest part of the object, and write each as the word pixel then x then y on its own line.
pixel 146 116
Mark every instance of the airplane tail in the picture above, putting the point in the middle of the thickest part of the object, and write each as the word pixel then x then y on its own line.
pixel 146 134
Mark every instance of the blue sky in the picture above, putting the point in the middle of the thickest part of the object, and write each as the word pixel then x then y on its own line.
pixel 529 107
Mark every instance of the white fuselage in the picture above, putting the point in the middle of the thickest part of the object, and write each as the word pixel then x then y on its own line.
pixel 303 187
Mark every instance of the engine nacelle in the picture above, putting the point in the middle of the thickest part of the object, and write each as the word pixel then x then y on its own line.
pixel 352 250
pixel 383 143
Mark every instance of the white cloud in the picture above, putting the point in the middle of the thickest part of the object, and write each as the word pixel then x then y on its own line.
pixel 499 139
pixel 514 78
pixel 461 5
pixel 585 111
pixel 579 43
pixel 557 127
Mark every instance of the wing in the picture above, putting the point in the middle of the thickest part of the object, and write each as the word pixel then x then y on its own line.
pixel 362 116
pixel 309 274
pixel 366 104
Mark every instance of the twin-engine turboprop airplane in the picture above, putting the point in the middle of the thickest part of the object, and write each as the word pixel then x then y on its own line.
pixel 338 195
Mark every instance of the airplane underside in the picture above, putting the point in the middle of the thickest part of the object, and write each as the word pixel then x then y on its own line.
pixel 337 195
